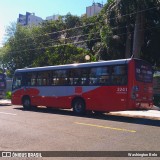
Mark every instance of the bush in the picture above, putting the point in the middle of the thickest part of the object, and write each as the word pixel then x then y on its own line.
pixel 8 95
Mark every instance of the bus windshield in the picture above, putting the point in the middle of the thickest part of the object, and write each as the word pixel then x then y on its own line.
pixel 144 72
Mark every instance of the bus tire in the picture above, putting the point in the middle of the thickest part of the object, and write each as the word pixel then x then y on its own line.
pixel 26 103
pixel 79 106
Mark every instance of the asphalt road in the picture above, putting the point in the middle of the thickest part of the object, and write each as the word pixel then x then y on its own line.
pixel 60 130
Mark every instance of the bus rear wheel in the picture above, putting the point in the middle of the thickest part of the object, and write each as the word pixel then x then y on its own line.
pixel 78 106
pixel 26 103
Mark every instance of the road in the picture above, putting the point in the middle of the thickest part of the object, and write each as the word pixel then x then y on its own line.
pixel 60 130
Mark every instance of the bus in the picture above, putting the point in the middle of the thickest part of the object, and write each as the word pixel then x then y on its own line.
pixel 2 85
pixel 103 86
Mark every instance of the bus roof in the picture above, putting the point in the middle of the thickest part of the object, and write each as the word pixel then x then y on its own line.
pixel 75 65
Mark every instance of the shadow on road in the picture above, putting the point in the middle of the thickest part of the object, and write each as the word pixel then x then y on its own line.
pixel 4 104
pixel 141 121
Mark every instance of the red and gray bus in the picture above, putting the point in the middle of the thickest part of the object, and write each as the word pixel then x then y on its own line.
pixel 103 86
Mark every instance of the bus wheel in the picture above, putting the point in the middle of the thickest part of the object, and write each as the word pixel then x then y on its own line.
pixel 78 106
pixel 26 103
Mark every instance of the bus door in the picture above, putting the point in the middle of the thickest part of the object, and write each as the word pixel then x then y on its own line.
pixel 17 88
pixel 31 89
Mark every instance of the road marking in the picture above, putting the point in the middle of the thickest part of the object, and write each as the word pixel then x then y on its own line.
pixel 8 113
pixel 106 127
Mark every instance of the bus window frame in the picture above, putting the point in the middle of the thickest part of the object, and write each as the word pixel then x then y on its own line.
pixel 71 76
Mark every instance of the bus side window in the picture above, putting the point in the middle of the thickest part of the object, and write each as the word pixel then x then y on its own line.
pixel 77 76
pixel 43 78
pixel 60 78
pixel 104 75
pixel 93 79
pixel 100 75
pixel 74 77
pixel 28 80
pixel 31 78
pixel 85 76
pixel 119 75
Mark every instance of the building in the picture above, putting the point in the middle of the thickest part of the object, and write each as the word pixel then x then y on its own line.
pixel 29 19
pixel 94 9
pixel 52 18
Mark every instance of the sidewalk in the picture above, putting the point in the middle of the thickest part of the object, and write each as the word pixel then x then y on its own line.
pixel 146 114
pixel 153 114
pixel 5 102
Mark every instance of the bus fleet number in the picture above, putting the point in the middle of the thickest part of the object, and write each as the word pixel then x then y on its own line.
pixel 121 89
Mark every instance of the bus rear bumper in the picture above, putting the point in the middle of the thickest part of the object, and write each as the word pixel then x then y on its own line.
pixel 143 105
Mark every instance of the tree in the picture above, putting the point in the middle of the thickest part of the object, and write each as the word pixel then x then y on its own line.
pixel 20 47
pixel 61 55
pixel 122 28
pixel 131 23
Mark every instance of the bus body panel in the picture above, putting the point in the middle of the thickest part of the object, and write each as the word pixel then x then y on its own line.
pixel 144 96
pixel 143 91
pixel 97 98
pixel 132 94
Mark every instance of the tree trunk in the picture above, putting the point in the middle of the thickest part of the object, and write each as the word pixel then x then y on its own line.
pixel 128 44
pixel 138 34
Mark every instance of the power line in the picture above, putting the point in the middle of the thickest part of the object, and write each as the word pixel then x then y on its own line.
pixel 90 24
pixel 69 38
pixel 58 40
pixel 140 11
pixel 80 35
pixel 58 45
pixel 52 33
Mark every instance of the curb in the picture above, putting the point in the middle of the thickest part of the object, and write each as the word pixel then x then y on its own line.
pixel 5 102
pixel 155 108
pixel 137 114
pixel 152 114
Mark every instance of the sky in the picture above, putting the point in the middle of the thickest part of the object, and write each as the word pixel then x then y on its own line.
pixel 10 10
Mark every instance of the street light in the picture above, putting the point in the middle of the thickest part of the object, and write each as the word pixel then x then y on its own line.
pixel 87 57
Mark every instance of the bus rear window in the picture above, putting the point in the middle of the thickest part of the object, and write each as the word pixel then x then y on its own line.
pixel 144 72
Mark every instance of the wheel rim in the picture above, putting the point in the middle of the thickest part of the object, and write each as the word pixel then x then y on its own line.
pixel 26 102
pixel 78 107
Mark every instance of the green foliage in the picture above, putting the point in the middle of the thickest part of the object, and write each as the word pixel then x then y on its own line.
pixel 61 55
pixel 8 95
pixel 129 33
pixel 109 35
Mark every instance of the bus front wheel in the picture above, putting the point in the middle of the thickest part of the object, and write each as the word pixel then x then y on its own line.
pixel 26 103
pixel 78 106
